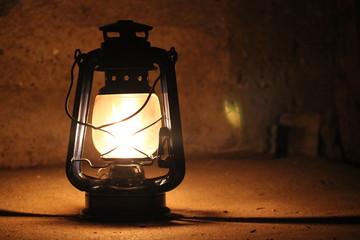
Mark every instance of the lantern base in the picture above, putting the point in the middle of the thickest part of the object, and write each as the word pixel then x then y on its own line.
pixel 124 207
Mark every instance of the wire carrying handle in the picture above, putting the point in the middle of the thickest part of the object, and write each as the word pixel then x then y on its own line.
pixel 78 56
pixel 77 53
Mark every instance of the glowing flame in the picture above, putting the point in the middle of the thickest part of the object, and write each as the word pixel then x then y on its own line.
pixel 126 142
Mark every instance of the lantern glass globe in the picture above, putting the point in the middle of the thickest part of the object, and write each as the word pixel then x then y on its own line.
pixel 125 141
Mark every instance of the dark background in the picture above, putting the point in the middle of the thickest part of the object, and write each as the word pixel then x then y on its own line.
pixel 265 76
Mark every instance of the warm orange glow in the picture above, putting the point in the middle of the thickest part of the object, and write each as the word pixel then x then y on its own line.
pixel 111 108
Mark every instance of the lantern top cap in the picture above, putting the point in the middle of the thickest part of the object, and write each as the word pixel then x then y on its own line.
pixel 126 26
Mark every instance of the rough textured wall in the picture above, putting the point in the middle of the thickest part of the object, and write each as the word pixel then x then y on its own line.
pixel 282 59
pixel 257 58
pixel 37 43
pixel 348 75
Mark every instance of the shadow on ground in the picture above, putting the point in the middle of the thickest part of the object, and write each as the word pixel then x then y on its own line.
pixel 196 217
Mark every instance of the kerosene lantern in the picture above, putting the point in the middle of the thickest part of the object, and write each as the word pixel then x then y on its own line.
pixel 132 126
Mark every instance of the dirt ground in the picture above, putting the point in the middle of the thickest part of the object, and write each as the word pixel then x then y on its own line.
pixel 228 197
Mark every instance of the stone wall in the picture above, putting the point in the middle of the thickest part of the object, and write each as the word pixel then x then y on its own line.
pixel 242 65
